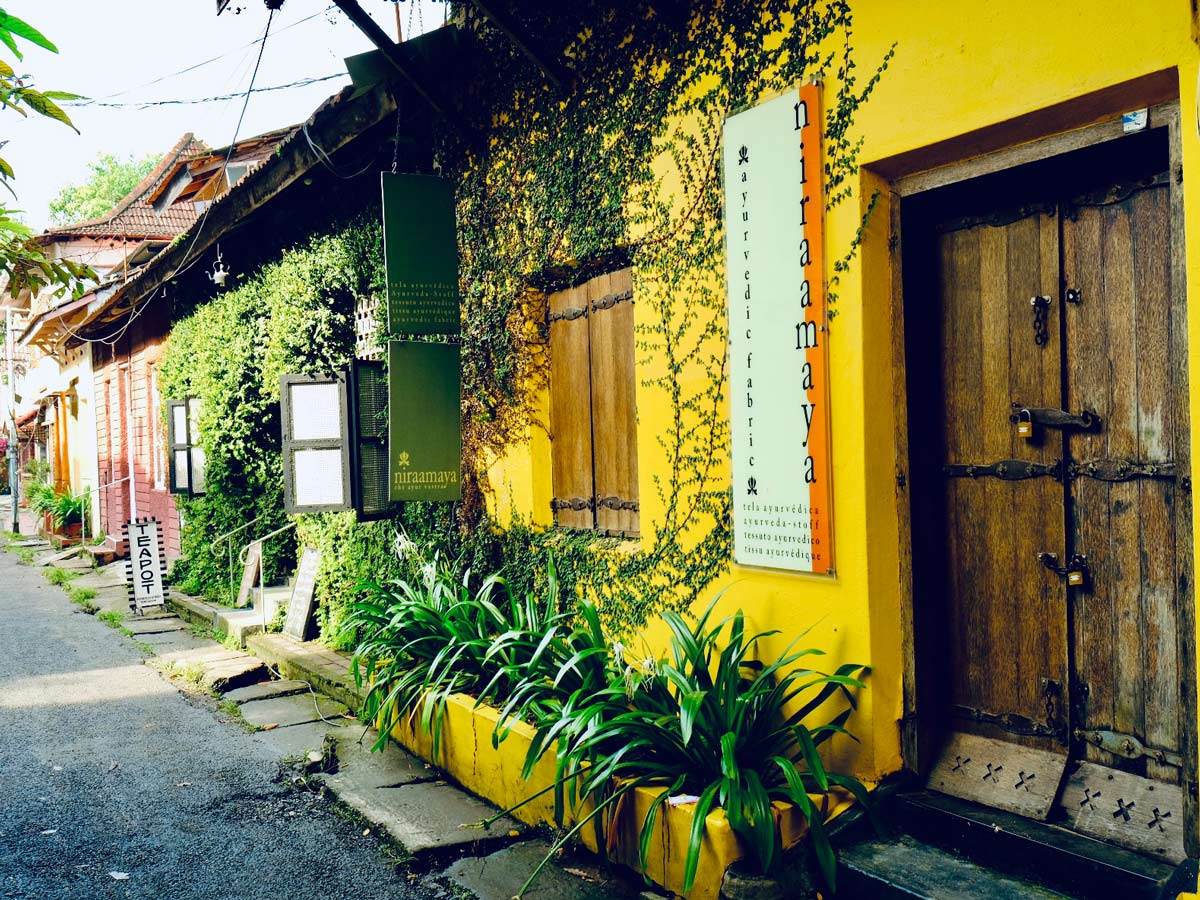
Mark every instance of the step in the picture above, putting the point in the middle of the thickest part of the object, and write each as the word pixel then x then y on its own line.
pixel 328 671
pixel 903 868
pixel 239 624
pixel 1061 859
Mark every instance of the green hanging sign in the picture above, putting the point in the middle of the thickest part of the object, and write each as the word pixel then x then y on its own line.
pixel 420 247
pixel 424 421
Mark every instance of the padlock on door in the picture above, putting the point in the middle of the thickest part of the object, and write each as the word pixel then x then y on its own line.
pixel 1077 571
pixel 1025 425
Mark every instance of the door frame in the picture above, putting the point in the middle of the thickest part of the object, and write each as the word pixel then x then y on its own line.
pixel 917 745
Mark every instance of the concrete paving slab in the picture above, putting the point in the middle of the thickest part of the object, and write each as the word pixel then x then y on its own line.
pixel 292 710
pixel 500 876
pixel 297 740
pixel 30 542
pixel 208 653
pixel 361 769
pixel 233 673
pixel 174 640
pixel 68 553
pixel 153 625
pixel 429 818
pixel 266 689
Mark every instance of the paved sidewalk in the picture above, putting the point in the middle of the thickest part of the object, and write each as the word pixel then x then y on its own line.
pixel 114 785
pixel 96 695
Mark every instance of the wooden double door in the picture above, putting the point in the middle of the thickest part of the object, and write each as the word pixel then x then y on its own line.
pixel 1064 556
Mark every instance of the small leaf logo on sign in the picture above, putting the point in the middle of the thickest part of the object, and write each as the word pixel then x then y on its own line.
pixel 404 459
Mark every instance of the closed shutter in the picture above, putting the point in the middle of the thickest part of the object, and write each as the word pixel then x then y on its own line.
pixel 371 428
pixel 570 409
pixel 614 410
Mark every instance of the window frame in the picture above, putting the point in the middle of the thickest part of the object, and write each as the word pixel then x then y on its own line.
pixel 289 444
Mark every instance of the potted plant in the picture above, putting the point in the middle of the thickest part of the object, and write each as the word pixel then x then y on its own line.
pixel 66 512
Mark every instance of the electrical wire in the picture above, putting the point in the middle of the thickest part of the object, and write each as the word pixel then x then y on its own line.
pixel 325 160
pixel 226 54
pixel 112 338
pixel 149 104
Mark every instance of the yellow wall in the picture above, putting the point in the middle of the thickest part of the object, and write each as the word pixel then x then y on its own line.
pixel 958 68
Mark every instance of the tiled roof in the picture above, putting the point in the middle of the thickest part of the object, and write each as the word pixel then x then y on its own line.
pixel 134 217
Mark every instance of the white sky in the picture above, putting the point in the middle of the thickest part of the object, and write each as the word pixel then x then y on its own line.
pixel 116 47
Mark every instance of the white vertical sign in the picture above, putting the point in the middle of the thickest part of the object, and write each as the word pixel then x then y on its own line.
pixel 146 564
pixel 779 372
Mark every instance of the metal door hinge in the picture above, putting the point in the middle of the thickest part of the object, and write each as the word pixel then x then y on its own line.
pixel 578 504
pixel 1128 746
pixel 1006 470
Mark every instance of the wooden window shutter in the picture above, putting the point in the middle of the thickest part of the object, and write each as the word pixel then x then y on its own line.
pixel 197 461
pixel 186 462
pixel 316 441
pixel 178 445
pixel 614 402
pixel 570 409
pixel 370 396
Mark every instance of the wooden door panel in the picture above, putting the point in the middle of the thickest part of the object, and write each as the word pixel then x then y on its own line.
pixel 1117 253
pixel 1005 617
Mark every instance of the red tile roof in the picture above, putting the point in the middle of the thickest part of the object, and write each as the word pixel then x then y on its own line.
pixel 134 217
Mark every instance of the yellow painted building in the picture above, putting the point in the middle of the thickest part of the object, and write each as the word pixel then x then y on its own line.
pixel 974 93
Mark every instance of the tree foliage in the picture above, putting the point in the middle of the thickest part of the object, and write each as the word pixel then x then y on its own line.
pixel 110 178
pixel 22 259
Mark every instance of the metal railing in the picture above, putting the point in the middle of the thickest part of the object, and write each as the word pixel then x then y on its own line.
pixel 262 588
pixel 87 511
pixel 225 537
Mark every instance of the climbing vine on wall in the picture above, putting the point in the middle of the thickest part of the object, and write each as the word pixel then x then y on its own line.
pixel 625 164
pixel 622 167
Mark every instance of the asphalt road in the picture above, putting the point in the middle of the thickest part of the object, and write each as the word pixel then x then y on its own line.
pixel 115 785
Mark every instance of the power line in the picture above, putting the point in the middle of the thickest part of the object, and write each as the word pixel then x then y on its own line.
pixel 116 335
pixel 148 104
pixel 218 58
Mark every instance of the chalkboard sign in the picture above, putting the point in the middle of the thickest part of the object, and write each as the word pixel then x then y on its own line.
pixel 300 607
pixel 249 573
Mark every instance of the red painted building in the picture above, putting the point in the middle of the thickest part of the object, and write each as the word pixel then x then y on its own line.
pixel 126 344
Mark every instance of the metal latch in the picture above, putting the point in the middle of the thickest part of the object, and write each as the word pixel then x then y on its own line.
pixel 1128 746
pixel 1054 418
pixel 1075 571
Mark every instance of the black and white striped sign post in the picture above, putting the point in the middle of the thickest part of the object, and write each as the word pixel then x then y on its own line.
pixel 146 568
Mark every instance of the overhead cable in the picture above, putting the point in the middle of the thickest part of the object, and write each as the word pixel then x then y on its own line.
pixel 114 336
pixel 211 60
pixel 147 104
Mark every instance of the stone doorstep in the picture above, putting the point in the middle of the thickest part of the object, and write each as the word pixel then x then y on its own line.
pixel 238 623
pixel 193 609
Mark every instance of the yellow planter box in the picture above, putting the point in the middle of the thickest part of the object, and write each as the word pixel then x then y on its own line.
pixel 466 754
